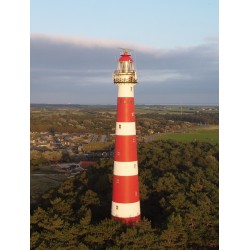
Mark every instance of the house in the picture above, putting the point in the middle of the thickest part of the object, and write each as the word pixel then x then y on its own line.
pixel 86 164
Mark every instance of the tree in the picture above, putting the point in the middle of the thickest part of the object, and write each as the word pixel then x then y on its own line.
pixel 179 200
pixel 139 236
pixel 52 156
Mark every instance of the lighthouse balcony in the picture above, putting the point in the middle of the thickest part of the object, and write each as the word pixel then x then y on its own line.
pixel 124 77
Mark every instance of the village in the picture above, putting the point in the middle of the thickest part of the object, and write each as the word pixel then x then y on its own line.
pixel 69 153
pixel 54 141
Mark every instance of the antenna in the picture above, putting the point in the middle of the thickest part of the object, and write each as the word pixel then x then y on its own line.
pixel 181 111
pixel 126 49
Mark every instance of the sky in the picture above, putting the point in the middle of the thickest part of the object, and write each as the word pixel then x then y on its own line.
pixel 75 44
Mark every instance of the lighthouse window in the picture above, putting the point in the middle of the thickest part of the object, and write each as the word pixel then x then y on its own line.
pixel 130 66
pixel 126 66
pixel 135 193
pixel 117 181
pixel 118 153
pixel 120 126
pixel 133 139
pixel 116 207
pixel 132 114
pixel 123 67
pixel 131 88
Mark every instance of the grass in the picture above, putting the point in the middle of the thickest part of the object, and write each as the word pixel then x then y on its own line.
pixel 44 178
pixel 40 184
pixel 208 134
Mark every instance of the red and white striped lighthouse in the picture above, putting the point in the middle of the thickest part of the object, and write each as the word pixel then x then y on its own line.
pixel 125 198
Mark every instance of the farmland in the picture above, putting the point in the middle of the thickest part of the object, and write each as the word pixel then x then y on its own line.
pixel 205 134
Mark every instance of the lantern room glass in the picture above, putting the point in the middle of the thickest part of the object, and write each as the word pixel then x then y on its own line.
pixel 125 66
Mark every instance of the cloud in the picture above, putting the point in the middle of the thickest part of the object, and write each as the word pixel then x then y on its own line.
pixel 79 70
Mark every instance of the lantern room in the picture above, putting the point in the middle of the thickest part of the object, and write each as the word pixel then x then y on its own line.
pixel 125 63
pixel 125 72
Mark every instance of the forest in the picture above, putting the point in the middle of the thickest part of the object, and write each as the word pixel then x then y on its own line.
pixel 179 196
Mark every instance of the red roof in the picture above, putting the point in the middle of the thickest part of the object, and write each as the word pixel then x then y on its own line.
pixel 125 57
pixel 86 164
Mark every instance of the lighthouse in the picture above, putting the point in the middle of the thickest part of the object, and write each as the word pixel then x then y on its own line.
pixel 125 196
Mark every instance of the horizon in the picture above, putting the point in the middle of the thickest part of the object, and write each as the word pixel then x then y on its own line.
pixel 142 104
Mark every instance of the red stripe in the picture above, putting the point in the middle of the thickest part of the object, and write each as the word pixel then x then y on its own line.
pixel 129 220
pixel 125 148
pixel 125 189
pixel 125 109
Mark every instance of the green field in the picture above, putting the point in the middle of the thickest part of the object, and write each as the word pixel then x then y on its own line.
pixel 44 178
pixel 209 134
pixel 40 184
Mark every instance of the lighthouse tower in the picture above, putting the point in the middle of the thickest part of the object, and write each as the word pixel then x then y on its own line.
pixel 125 198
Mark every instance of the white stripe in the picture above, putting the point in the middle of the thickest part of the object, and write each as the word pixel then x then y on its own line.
pixel 126 90
pixel 129 168
pixel 125 210
pixel 125 128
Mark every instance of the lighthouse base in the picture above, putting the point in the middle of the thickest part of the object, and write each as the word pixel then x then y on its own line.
pixel 130 220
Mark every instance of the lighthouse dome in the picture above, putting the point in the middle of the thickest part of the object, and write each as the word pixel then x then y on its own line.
pixel 125 57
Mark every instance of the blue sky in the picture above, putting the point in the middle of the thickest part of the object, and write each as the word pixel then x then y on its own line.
pixel 161 23
pixel 74 46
